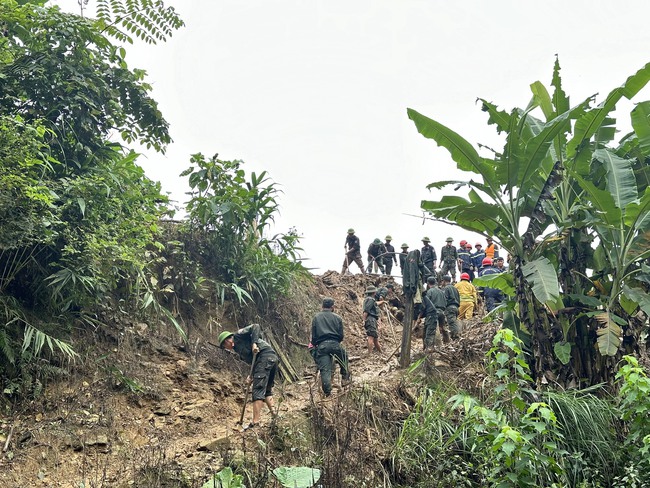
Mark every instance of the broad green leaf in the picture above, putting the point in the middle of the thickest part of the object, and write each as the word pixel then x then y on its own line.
pixel 541 274
pixel 540 93
pixel 620 177
pixel 500 118
pixel 297 477
pixel 461 151
pixel 562 351
pixel 638 296
pixel 640 116
pixel 501 281
pixel 637 215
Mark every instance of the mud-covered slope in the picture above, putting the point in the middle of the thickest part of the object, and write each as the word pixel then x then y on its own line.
pixel 157 412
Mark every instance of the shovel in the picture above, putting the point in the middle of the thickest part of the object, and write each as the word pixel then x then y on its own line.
pixel 247 391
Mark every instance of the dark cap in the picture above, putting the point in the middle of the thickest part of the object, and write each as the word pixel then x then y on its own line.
pixel 328 302
pixel 431 280
pixel 446 278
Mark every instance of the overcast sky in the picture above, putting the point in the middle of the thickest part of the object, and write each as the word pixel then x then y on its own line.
pixel 316 92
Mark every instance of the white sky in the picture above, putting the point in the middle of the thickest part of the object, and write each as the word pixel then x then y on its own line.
pixel 316 92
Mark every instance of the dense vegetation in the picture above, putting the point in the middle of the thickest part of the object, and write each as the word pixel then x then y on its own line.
pixel 83 228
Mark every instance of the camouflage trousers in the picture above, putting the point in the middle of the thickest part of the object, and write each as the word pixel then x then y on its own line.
pixel 451 314
pixel 352 257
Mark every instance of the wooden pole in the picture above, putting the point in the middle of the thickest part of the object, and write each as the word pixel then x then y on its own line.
pixel 405 356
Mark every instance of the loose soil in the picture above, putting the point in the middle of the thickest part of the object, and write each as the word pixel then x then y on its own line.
pixel 154 411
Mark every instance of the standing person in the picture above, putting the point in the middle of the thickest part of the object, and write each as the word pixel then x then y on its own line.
pixel 452 298
pixel 491 250
pixel 252 349
pixel 493 296
pixel 326 337
pixel 433 309
pixel 448 259
pixel 389 257
pixel 477 258
pixel 465 261
pixel 402 256
pixel 468 297
pixel 429 258
pixel 376 252
pixel 352 252
pixel 370 319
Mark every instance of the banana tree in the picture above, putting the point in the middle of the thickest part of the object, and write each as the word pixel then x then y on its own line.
pixel 536 183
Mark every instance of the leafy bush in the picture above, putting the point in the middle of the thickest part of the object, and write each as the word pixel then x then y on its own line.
pixel 228 215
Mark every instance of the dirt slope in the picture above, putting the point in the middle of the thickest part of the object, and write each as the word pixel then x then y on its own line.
pixel 161 413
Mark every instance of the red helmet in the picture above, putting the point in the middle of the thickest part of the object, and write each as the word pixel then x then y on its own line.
pixel 478 244
pixel 462 243
pixel 487 262
pixel 464 276
pixel 468 246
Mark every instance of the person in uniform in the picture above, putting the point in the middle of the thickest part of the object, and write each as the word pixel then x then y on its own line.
pixel 465 260
pixel 448 259
pixel 452 298
pixel 326 337
pixel 376 253
pixel 493 296
pixel 402 256
pixel 371 318
pixel 468 297
pixel 251 348
pixel 477 258
pixel 352 252
pixel 389 257
pixel 428 258
pixel 491 250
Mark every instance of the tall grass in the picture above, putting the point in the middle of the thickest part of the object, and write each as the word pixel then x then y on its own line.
pixel 589 425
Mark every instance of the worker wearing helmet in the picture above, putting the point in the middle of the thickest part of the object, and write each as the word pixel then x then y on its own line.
pixel 468 297
pixel 492 295
pixel 448 259
pixel 352 252
pixel 252 349
pixel 389 258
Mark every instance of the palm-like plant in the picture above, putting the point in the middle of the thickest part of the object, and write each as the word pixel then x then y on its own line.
pixel 557 178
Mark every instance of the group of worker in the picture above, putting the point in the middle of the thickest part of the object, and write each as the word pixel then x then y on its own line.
pixel 443 303
pixel 381 256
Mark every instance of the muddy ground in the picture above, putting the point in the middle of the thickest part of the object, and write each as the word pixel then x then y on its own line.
pixel 154 411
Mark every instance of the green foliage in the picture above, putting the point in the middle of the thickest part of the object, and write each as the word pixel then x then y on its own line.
pixel 61 69
pixel 634 406
pixel 297 476
pixel 148 20
pixel 229 215
pixel 225 479
pixel 79 219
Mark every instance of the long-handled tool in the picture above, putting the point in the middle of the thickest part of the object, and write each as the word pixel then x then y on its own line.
pixel 247 391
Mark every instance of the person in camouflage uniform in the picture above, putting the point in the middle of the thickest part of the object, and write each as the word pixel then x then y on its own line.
pixel 352 252
pixel 389 258
pixel 428 258
pixel 251 348
pixel 402 256
pixel 448 259
pixel 326 338
pixel 371 318
pixel 376 253
pixel 452 298
pixel 434 303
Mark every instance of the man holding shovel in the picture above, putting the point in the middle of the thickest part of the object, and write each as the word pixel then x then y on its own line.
pixel 252 349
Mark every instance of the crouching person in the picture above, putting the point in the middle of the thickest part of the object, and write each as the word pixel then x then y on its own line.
pixel 326 337
pixel 252 349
